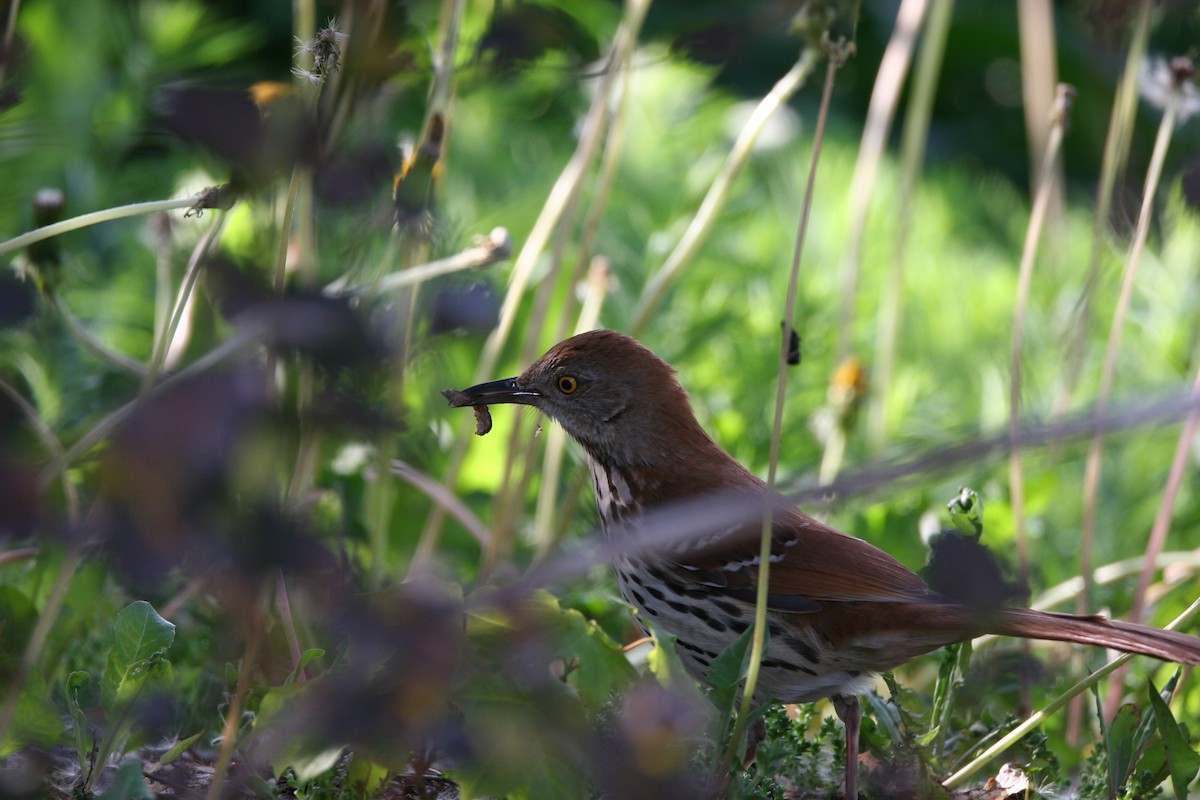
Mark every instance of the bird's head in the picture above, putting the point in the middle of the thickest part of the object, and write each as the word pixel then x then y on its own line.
pixel 611 394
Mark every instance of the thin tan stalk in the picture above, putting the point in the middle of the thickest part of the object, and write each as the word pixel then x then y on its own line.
pixel 288 622
pixel 912 149
pixel 444 499
pixel 837 54
pixel 1093 464
pixel 519 471
pixel 1116 152
pixel 279 281
pixel 1162 520
pixel 701 224
pixel 1186 561
pixel 1158 532
pixel 1091 482
pixel 893 68
pixel 441 94
pixel 545 530
pixel 556 438
pixel 567 185
pixel 162 345
pixel 233 716
pixel 1033 236
pixel 93 344
pixel 1039 81
pixel 485 251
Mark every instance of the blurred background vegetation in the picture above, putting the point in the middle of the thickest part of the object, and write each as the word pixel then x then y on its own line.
pixel 230 410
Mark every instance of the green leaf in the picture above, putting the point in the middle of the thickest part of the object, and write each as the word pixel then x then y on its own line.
pixel 731 664
pixel 140 640
pixel 663 660
pixel 598 665
pixel 75 681
pixel 17 619
pixel 1183 761
pixel 179 748
pixel 129 784
pixel 36 721
pixel 309 767
pixel 1122 744
pixel 306 658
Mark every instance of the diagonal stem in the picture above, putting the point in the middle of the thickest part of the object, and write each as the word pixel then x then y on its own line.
pixel 1033 236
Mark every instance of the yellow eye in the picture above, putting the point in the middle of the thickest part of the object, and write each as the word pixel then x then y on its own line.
pixel 567 384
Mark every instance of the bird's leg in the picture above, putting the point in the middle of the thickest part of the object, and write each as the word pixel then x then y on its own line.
pixel 850 712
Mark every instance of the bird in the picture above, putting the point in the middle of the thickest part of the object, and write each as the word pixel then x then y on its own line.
pixel 839 610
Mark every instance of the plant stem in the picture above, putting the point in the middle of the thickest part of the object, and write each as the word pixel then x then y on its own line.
pixel 893 68
pixel 1091 485
pixel 93 344
pixel 1116 152
pixel 233 717
pixel 701 224
pixel 1046 187
pixel 837 54
pixel 916 132
pixel 95 218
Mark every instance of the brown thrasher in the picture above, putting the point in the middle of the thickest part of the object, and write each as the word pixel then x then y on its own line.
pixel 839 609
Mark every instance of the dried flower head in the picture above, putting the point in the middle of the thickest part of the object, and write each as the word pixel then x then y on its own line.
pixel 1163 82
pixel 326 51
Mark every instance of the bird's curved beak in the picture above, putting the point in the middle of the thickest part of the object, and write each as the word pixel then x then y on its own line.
pixel 493 392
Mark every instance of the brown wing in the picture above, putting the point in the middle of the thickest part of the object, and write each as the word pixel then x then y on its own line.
pixel 811 563
pixel 823 563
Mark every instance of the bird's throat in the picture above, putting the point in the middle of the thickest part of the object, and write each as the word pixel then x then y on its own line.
pixel 613 488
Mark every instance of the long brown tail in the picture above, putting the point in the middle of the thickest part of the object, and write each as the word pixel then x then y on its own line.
pixel 1125 636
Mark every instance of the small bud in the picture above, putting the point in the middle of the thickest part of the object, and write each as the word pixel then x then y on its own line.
pixel 966 512
pixel 1183 69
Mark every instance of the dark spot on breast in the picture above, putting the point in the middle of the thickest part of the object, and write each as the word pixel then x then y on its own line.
pixel 802 649
pixel 707 619
pixel 676 587
pixel 691 648
pixel 731 608
pixel 655 592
